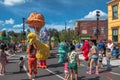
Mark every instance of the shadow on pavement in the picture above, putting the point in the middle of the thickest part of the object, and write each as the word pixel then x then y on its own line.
pixel 81 78
pixel 55 65
pixel 96 78
pixel 19 72
pixel 11 62
pixel 26 79
pixel 50 74
pixel 107 70
pixel 53 55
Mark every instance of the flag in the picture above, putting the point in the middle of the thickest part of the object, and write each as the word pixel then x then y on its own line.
pixel 44 35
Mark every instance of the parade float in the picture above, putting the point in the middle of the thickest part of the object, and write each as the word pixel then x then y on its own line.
pixel 36 21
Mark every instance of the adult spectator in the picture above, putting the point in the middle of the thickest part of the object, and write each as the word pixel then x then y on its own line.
pixel 2 62
pixel 110 45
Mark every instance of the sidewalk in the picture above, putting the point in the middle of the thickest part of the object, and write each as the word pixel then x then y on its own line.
pixel 114 62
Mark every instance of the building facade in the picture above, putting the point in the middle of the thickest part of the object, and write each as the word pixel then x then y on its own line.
pixel 87 29
pixel 114 20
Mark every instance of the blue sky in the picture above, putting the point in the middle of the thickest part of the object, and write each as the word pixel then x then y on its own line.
pixel 56 12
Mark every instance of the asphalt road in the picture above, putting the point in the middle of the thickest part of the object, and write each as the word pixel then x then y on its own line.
pixel 54 71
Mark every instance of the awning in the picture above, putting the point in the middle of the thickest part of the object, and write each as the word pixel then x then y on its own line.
pixel 85 37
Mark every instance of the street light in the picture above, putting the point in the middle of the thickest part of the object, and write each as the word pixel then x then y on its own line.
pixel 97 30
pixel 68 28
pixel 23 27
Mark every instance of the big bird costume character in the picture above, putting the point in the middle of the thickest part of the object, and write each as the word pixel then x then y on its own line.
pixel 43 50
pixel 36 21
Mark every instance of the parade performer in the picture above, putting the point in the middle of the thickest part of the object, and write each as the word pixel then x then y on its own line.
pixel 63 49
pixel 43 51
pixel 36 21
pixel 32 60
pixel 85 49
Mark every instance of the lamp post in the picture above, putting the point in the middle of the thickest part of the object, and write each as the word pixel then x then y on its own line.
pixel 23 27
pixel 97 30
pixel 69 33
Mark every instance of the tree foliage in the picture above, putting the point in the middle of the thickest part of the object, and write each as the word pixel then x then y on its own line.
pixel 4 33
pixel 66 35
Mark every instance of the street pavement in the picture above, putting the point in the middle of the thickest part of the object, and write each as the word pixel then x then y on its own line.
pixel 55 71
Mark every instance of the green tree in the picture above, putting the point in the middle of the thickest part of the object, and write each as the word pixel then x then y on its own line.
pixel 4 33
pixel 11 33
pixel 15 37
pixel 53 32
pixel 66 35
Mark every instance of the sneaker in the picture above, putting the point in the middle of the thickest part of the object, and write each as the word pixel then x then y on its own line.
pixel 1 74
pixel 88 72
pixel 97 73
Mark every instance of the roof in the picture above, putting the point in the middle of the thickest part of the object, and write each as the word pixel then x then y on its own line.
pixel 112 1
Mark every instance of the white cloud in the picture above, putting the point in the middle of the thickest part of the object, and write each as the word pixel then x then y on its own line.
pixel 59 27
pixel 1 23
pixel 15 30
pixel 18 26
pixel 55 26
pixel 12 2
pixel 70 21
pixel 92 15
pixel 10 21
pixel 3 29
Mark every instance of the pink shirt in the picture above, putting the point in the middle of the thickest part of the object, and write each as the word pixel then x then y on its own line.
pixel 66 66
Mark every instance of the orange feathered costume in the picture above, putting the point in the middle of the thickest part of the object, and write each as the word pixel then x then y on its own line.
pixel 32 60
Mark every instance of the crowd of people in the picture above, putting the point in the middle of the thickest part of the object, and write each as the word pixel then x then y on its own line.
pixel 8 49
pixel 93 53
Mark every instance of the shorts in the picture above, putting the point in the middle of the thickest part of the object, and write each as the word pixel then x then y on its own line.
pixel 21 67
pixel 66 72
pixel 73 66
pixel 95 58
pixel 100 59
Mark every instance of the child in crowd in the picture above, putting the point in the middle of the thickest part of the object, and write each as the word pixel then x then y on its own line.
pixel 66 70
pixel 21 63
pixel 73 63
pixel 100 59
pixel 108 57
pixel 2 62
pixel 100 46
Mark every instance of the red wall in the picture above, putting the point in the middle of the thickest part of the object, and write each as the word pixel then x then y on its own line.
pixel 87 28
